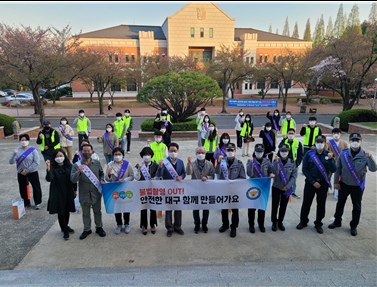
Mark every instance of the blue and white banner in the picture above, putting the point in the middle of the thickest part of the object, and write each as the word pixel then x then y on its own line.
pixel 132 196
pixel 253 103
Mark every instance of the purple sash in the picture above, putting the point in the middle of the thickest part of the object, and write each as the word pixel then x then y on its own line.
pixel 166 123
pixel 206 127
pixel 283 176
pixel 239 120
pixel 352 170
pixel 67 136
pixel 80 155
pixel 335 147
pixel 269 139
pixel 320 166
pixel 108 141
pixel 256 167
pixel 163 140
pixel 223 151
pixel 275 125
pixel 122 170
pixel 24 155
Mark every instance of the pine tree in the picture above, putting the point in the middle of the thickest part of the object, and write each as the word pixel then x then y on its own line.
pixel 308 33
pixel 354 20
pixel 295 32
pixel 319 32
pixel 345 22
pixel 270 29
pixel 277 31
pixel 373 14
pixel 339 22
pixel 329 29
pixel 315 33
pixel 286 28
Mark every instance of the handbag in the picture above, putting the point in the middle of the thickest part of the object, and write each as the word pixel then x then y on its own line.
pixel 18 209
pixel 248 140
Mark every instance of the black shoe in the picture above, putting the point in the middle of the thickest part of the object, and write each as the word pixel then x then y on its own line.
pixel 319 229
pixel 85 234
pixel 233 233
pixel 205 228
pixel 179 231
pixel 334 225
pixel 353 231
pixel 169 233
pixel 144 232
pixel 66 235
pixel 101 232
pixel 153 231
pixel 301 225
pixel 262 229
pixel 197 228
pixel 251 229
pixel 281 226
pixel 70 230
pixel 274 228
pixel 223 228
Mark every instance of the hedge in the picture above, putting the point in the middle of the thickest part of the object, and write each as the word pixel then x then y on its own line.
pixel 355 116
pixel 332 99
pixel 7 122
pixel 188 125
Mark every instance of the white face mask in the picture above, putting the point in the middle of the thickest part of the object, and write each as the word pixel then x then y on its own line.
pixel 211 128
pixel 288 117
pixel 82 115
pixel 230 154
pixel 258 154
pixel 109 129
pixel 247 119
pixel 173 154
pixel 119 118
pixel 225 141
pixel 241 114
pixel 355 144
pixel 59 159
pixel 312 123
pixel 157 139
pixel 206 120
pixel 276 114
pixel 336 136
pixel 319 146
pixel 268 129
pixel 163 130
pixel 24 143
pixel 200 156
pixel 63 122
pixel 203 113
pixel 147 158
pixel 118 158
pixel 163 118
pixel 291 137
pixel 126 114
pixel 283 154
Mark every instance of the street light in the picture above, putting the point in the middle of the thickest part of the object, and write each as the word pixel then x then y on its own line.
pixel 374 99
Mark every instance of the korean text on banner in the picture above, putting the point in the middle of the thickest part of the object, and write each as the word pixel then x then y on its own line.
pixel 253 103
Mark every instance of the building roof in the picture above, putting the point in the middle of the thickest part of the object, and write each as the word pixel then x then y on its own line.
pixel 262 36
pixel 125 32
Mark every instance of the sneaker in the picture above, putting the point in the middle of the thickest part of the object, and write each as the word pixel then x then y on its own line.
pixel 101 232
pixel 66 235
pixel 243 155
pixel 85 234
pixel 205 228
pixel 128 151
pixel 127 228
pixel 28 206
pixel 118 229
pixel 38 207
pixel 262 229
pixel 295 195
pixel 248 155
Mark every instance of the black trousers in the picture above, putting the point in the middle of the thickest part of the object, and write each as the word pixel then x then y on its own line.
pixel 251 215
pixel 63 221
pixel 128 138
pixel 109 108
pixel 356 196
pixel 144 218
pixel 309 192
pixel 279 201
pixel 81 137
pixel 239 139
pixel 126 218
pixel 209 157
pixel 37 191
pixel 225 218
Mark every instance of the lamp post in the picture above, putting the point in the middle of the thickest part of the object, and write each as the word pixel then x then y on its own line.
pixel 374 99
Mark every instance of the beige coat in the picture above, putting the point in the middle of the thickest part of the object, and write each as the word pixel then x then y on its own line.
pixel 113 140
pixel 63 141
pixel 343 145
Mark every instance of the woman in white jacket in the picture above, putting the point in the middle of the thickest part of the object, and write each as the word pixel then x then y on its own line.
pixel 66 133
pixel 240 118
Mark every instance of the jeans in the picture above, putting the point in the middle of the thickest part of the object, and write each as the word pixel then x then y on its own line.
pixel 123 143
pixel 196 215
pixel 199 139
pixel 109 157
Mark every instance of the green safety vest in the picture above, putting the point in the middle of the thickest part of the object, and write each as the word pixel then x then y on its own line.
pixel 285 127
pixel 127 121
pixel 294 147
pixel 158 150
pixel 82 125
pixel 307 135
pixel 167 118
pixel 207 144
pixel 119 125
pixel 243 132
pixel 52 140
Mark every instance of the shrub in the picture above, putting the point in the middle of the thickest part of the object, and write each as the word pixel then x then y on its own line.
pixel 188 125
pixel 333 100
pixel 7 122
pixel 355 116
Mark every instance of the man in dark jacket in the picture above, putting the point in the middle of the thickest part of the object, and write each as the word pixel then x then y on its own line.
pixel 49 140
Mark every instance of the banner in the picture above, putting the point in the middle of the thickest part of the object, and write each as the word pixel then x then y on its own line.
pixel 253 103
pixel 129 196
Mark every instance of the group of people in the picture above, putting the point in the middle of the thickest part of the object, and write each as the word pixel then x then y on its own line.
pixel 215 158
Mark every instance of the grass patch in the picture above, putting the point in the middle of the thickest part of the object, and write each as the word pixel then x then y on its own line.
pixel 369 125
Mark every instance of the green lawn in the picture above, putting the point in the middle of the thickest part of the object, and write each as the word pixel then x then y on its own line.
pixel 369 125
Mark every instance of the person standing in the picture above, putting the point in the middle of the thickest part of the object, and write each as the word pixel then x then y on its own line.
pixel 166 174
pixel 109 140
pixel 160 149
pixel 119 130
pixel 48 139
pixel 287 123
pixel 109 105
pixel 274 119
pixel 162 124
pixel 89 174
pixel 247 134
pixel 350 179
pixel 199 121
pixel 164 113
pixel 269 140
pixel 285 171
pixel 204 128
pixel 120 170
pixel 200 169
pixel 317 165
pixel 66 133
pixel 211 142
pixel 78 154
pixel 27 159
pixel 240 118
pixel 84 127
pixel 236 170
pixel 310 133
pixel 258 167
pixel 128 126
pixel 62 191
pixel 146 170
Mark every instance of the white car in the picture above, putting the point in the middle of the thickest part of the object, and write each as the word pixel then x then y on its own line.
pixel 19 97
pixel 3 94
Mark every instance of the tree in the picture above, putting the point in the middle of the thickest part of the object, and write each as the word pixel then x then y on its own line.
pixel 295 32
pixel 307 33
pixel 373 14
pixel 339 22
pixel 286 28
pixel 270 29
pixel 261 75
pixel 330 28
pixel 319 32
pixel 181 93
pixel 277 32
pixel 315 33
pixel 354 20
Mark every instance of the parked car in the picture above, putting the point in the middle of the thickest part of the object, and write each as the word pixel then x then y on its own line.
pixel 32 102
pixel 9 92
pixel 19 97
pixel 3 94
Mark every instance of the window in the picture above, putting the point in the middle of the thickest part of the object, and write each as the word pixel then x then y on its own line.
pixel 201 32
pixel 127 59
pixel 116 88
pixel 131 86
pixel 116 59
pixel 265 58
pixel 288 84
pixel 274 84
pixel 95 88
pixel 260 58
pixel 261 85
pixel 192 32
pixel 247 59
pixel 237 86
pixel 133 58
pixel 211 32
pixel 246 85
pixel 110 58
pixel 252 60
pixel 274 59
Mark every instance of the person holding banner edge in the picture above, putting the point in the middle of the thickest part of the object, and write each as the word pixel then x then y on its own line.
pixel 269 141
pixel 66 133
pixel 110 141
pixel 351 169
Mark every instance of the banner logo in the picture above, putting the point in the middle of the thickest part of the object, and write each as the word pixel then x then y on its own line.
pixel 124 196
pixel 253 193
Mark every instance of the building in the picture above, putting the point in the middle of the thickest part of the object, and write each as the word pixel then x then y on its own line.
pixel 198 29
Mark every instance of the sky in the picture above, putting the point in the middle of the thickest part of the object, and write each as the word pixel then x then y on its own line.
pixel 92 16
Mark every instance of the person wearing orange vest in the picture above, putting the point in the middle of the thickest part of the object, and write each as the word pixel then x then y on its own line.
pixel 49 140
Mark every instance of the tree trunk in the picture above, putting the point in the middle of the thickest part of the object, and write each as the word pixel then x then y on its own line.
pixel 54 99
pixel 91 97
pixel 224 97
pixel 333 93
pixel 285 100
pixel 100 101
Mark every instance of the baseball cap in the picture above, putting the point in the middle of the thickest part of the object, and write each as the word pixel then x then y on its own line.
pixel 230 146
pixel 284 147
pixel 320 138
pixel 46 122
pixel 259 147
pixel 355 136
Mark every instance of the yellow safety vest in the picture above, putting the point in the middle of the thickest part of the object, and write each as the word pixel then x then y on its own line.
pixel 119 125
pixel 285 128
pixel 158 150
pixel 243 132
pixel 52 140
pixel 294 147
pixel 167 118
pixel 127 121
pixel 207 144
pixel 307 135
pixel 82 125
pixel 200 122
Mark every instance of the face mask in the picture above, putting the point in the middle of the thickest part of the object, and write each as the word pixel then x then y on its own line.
pixel 336 136
pixel 319 146
pixel 276 114
pixel 46 128
pixel 59 159
pixel 211 128
pixel 164 130
pixel 63 122
pixel 241 114
pixel 119 118
pixel 109 129
pixel 173 154
pixel 268 129
pixel 147 158
pixel 283 154
pixel 203 113
pixel 164 118
pixel 225 141
pixel 247 119
pixel 355 144
pixel 82 115
pixel 230 154
pixel 200 156
pixel 258 154
pixel 312 123
pixel 157 139
pixel 291 137
pixel 126 114
pixel 86 155
pixel 206 120
pixel 118 158
pixel 25 143
pixel 288 117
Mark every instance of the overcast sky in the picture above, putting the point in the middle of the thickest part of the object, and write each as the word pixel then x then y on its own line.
pixel 87 17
